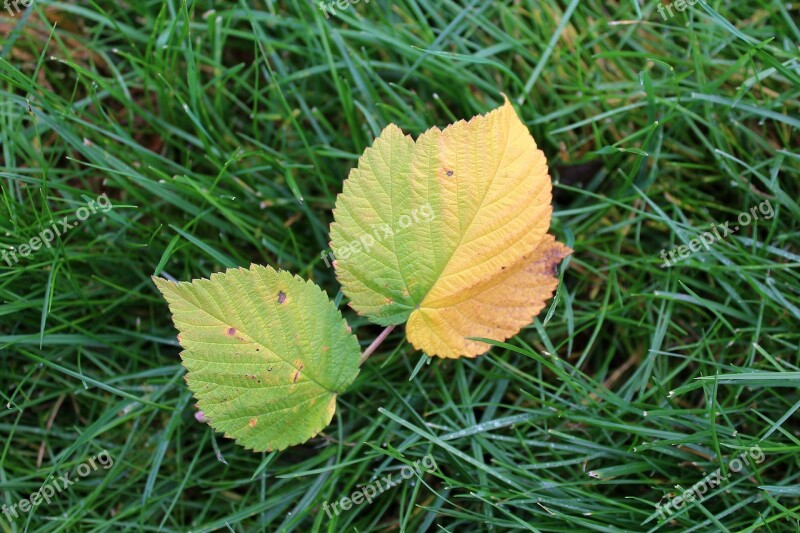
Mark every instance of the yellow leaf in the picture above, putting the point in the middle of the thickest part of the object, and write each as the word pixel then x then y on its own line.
pixel 496 307
pixel 462 248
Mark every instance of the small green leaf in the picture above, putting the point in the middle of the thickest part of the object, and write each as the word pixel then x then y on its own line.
pixel 266 351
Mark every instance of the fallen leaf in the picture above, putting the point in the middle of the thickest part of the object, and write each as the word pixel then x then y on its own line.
pixel 449 233
pixel 266 353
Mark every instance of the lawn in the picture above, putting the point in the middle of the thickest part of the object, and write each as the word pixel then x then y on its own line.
pixel 658 389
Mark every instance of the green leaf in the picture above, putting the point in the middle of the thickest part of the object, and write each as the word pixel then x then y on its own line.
pixel 266 351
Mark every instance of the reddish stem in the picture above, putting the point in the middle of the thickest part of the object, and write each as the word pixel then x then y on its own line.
pixel 374 346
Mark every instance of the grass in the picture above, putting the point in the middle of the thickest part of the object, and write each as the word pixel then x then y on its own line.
pixel 222 131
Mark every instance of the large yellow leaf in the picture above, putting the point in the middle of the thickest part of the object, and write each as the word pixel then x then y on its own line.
pixel 449 233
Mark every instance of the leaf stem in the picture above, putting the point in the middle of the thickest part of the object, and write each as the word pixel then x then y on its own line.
pixel 377 342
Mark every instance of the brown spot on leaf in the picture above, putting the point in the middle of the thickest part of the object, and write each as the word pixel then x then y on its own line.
pixel 231 332
pixel 253 422
pixel 296 374
pixel 449 173
pixel 281 297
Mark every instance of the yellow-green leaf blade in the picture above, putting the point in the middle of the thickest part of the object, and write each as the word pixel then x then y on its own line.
pixel 365 215
pixel 266 353
pixel 457 272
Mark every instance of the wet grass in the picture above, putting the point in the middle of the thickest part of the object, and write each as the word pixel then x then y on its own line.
pixel 221 133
